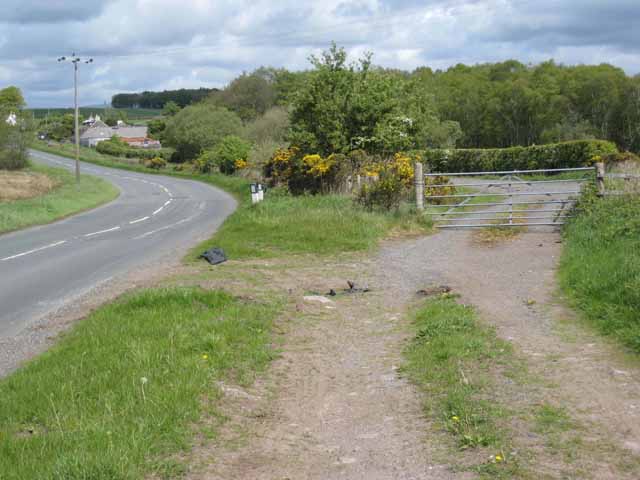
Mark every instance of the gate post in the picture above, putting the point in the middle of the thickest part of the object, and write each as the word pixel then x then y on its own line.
pixel 600 175
pixel 419 182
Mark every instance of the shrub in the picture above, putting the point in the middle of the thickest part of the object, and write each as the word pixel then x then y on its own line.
pixel 156 163
pixel 228 153
pixel 578 153
pixel 14 142
pixel 392 182
pixel 118 148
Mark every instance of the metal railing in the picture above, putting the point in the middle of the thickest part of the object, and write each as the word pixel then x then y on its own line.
pixel 521 198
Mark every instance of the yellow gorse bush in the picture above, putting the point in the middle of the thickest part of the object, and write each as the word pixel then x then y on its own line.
pixel 318 166
pixel 241 164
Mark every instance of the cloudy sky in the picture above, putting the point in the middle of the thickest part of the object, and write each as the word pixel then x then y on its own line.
pixel 164 44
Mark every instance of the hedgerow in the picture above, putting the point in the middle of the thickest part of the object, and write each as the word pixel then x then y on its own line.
pixel 573 154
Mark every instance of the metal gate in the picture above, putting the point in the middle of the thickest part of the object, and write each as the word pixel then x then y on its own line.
pixel 515 201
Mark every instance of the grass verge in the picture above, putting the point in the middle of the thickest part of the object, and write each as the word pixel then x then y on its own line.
pixel 121 391
pixel 64 200
pixel 321 224
pixel 600 265
pixel 452 357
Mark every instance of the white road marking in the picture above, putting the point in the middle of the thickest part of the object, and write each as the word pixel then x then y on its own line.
pixel 139 220
pixel 165 227
pixel 33 251
pixel 167 202
pixel 158 210
pixel 102 231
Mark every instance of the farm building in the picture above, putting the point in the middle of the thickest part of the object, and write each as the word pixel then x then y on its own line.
pixel 135 136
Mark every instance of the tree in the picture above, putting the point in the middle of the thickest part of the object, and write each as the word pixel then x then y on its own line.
pixel 200 127
pixel 248 95
pixel 170 109
pixel 11 99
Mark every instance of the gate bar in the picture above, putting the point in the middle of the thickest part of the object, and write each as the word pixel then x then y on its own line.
pixel 510 172
pixel 535 202
pixel 473 195
pixel 506 218
pixel 499 225
pixel 536 210
pixel 494 184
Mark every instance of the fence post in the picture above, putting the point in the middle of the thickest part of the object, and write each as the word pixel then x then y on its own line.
pixel 419 181
pixel 600 176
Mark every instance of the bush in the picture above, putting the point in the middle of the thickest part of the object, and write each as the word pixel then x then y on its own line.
pixel 156 163
pixel 118 148
pixel 14 142
pixel 231 154
pixel 574 154
pixel 392 182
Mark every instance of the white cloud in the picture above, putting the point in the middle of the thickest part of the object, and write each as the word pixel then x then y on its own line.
pixel 155 44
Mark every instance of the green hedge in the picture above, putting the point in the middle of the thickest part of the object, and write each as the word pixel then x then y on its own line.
pixel 116 149
pixel 578 153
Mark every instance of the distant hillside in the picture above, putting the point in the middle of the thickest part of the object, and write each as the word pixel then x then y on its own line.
pixel 182 97
pixel 132 113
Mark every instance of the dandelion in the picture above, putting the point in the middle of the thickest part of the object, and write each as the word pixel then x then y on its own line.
pixel 205 356
pixel 499 458
pixel 455 418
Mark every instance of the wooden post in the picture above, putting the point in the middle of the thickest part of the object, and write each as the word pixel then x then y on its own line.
pixel 600 176
pixel 419 181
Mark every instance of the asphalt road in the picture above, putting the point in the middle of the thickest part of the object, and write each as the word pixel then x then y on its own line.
pixel 43 268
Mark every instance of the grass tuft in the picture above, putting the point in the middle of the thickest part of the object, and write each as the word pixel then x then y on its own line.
pixel 451 358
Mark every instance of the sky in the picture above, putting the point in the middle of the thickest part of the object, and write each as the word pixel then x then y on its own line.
pixel 167 44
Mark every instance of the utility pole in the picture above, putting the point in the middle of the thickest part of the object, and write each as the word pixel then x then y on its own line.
pixel 76 60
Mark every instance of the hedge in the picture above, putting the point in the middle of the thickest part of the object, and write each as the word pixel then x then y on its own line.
pixel 573 154
pixel 109 147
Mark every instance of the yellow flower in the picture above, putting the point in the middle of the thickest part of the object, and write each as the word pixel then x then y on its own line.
pixel 499 458
pixel 455 418
pixel 240 164
pixel 205 356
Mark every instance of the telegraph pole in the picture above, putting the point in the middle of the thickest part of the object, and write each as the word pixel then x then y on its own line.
pixel 76 60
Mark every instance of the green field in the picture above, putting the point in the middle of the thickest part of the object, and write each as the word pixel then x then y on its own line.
pixel 64 200
pixel 132 113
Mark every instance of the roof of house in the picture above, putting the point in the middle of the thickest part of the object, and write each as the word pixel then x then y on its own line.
pixel 98 130
pixel 130 132
pixel 101 130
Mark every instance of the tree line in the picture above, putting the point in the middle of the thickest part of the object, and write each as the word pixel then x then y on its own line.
pixel 339 105
pixel 182 97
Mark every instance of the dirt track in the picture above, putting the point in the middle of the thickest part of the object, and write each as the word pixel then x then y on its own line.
pixel 334 405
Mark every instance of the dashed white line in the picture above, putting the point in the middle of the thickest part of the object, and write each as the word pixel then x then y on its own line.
pixel 102 231
pixel 166 227
pixel 158 210
pixel 167 203
pixel 138 220
pixel 33 251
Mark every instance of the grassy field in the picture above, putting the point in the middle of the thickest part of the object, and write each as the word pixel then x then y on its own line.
pixel 122 392
pixel 132 113
pixel 65 199
pixel 600 266
pixel 451 358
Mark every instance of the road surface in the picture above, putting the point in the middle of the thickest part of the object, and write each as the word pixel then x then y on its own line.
pixel 45 267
